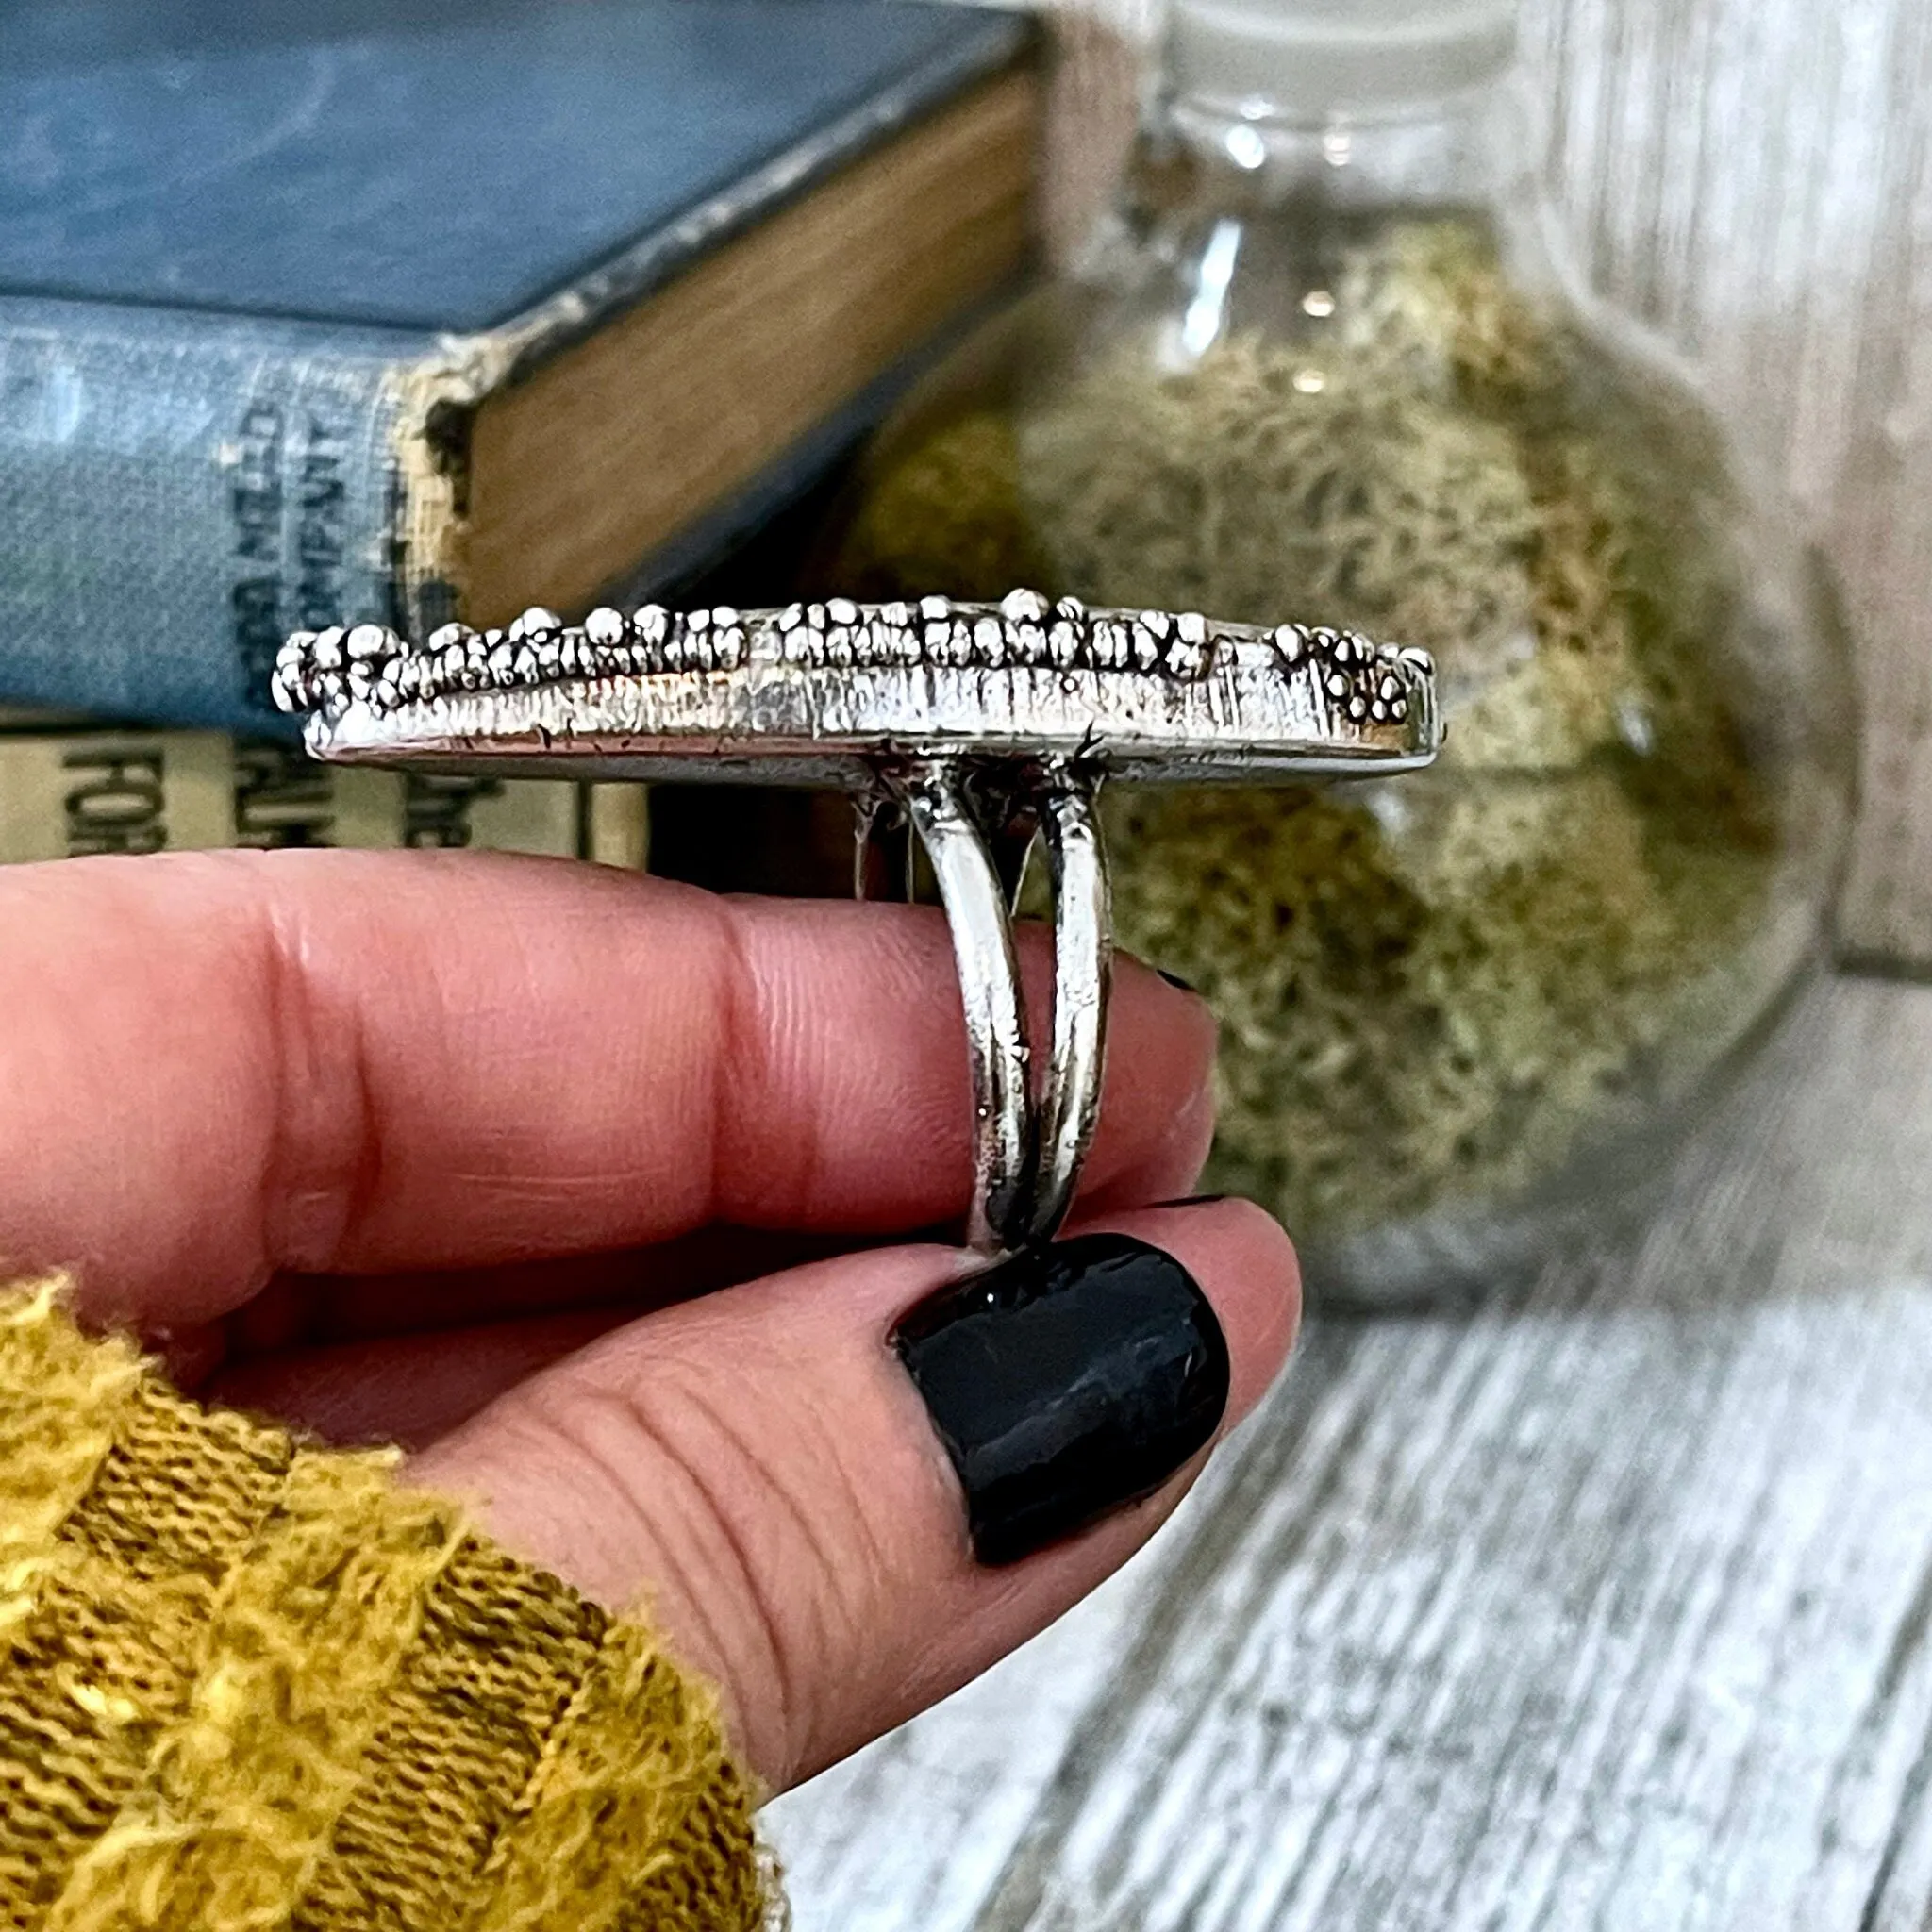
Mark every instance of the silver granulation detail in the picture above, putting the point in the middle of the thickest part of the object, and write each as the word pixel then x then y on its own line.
pixel 327 671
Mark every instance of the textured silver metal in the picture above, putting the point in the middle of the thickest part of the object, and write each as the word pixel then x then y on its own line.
pixel 1082 972
pixel 821 693
pixel 969 718
pixel 1030 1133
pixel 1005 1125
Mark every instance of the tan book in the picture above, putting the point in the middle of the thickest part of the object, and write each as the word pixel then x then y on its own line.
pixel 66 794
pixel 74 795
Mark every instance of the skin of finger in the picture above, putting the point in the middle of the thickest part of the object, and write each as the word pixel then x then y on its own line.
pixel 404 1360
pixel 383 1359
pixel 295 1310
pixel 758 1469
pixel 293 1313
pixel 408 1390
pixel 486 1329
pixel 217 1066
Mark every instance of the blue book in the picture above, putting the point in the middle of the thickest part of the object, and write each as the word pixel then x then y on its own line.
pixel 318 311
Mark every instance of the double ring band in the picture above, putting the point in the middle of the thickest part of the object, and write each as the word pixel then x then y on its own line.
pixel 1028 1146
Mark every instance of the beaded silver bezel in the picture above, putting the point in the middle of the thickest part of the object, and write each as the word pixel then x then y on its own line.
pixel 822 692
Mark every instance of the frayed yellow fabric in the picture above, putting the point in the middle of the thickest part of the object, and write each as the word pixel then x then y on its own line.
pixel 247 1686
pixel 52 1446
pixel 596 1792
pixel 307 1637
pixel 101 1648
pixel 468 1714
pixel 50 1452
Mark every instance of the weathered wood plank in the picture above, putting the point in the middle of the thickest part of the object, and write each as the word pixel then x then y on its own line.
pixel 1605 1607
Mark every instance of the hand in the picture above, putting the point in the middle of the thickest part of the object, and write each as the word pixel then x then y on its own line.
pixel 441 1149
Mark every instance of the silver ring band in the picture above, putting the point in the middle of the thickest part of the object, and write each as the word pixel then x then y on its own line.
pixel 1029 1147
pixel 1083 971
pixel 997 1053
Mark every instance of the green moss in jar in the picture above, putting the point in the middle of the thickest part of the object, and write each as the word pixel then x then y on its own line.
pixel 1431 990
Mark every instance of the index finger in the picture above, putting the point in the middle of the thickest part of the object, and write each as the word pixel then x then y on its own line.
pixel 214 1066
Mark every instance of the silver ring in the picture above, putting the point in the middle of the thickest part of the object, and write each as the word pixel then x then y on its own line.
pixel 1029 1137
pixel 1005 1128
pixel 975 719
pixel 1083 973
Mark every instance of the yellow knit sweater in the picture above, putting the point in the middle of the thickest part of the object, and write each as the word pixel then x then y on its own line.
pixel 249 1683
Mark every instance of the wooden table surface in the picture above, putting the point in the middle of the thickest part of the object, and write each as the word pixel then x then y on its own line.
pixel 1605 1605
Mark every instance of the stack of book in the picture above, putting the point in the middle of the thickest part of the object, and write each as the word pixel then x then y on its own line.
pixel 325 312
pixel 71 786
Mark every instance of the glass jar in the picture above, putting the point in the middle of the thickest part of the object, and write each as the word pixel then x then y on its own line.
pixel 1322 361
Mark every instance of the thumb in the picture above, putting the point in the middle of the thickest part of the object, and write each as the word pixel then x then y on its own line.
pixel 845 1489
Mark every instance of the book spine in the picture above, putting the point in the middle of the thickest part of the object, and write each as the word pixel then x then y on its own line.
pixel 178 493
pixel 68 793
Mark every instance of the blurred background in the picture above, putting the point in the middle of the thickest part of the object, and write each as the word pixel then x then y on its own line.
pixel 711 301
pixel 1754 179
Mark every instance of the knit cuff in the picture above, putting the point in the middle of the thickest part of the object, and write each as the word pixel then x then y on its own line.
pixel 248 1682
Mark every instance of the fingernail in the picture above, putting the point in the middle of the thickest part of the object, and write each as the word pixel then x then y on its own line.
pixel 1065 1383
pixel 1175 979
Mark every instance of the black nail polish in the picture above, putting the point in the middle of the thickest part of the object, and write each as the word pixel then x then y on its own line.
pixel 1065 1383
pixel 1175 979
